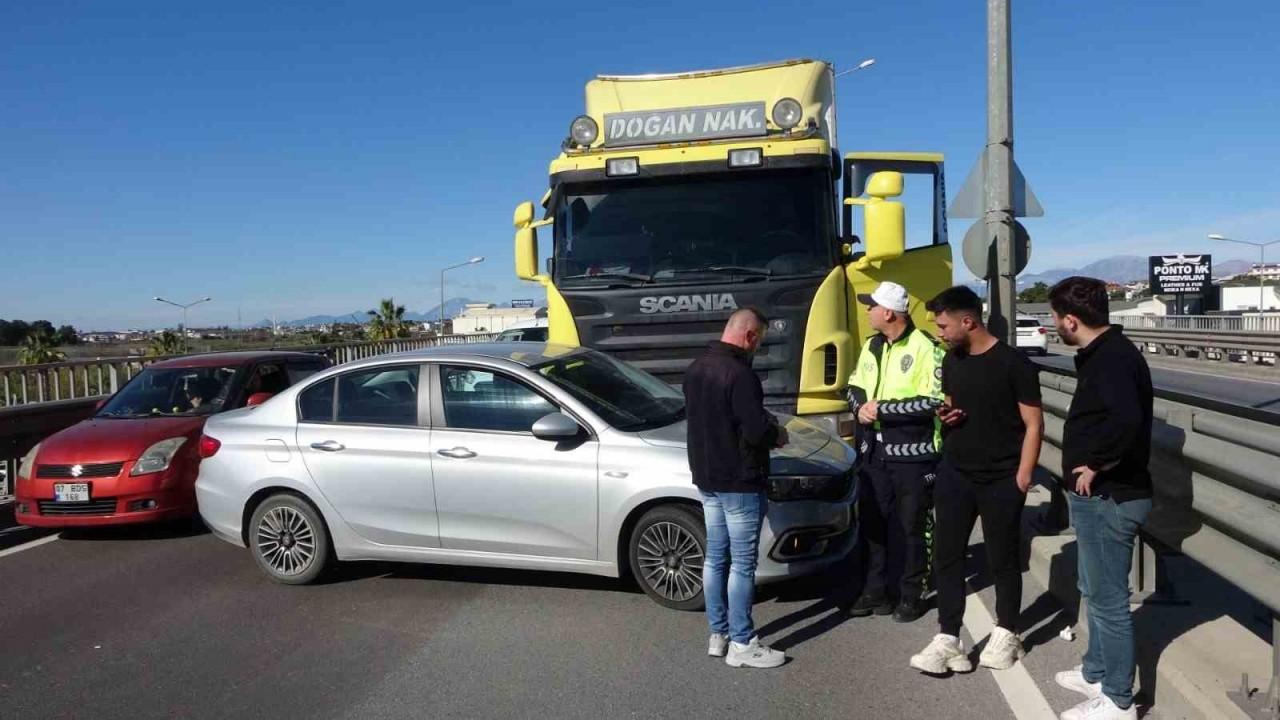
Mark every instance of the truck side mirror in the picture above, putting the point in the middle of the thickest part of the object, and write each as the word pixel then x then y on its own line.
pixel 526 250
pixel 884 219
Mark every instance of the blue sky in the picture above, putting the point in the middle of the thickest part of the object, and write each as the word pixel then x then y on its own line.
pixel 301 158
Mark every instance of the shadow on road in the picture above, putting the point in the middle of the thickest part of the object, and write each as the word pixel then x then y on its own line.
pixel 366 570
pixel 150 531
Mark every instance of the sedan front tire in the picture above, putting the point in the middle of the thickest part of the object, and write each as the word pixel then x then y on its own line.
pixel 289 540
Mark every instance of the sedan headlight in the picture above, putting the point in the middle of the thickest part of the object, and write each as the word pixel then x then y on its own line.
pixel 828 488
pixel 157 457
pixel 28 465
pixel 843 425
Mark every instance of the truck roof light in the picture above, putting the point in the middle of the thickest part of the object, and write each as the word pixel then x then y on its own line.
pixel 787 113
pixel 616 167
pixel 746 157
pixel 584 130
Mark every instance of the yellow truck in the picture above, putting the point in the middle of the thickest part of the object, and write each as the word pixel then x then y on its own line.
pixel 678 198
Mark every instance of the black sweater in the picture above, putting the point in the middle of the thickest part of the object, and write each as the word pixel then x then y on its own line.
pixel 1110 419
pixel 730 432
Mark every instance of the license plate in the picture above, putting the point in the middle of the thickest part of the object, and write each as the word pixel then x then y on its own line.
pixel 71 492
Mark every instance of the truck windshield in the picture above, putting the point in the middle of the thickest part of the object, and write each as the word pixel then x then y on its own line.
pixel 752 224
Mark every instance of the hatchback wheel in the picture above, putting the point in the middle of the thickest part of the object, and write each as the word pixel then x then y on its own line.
pixel 288 540
pixel 668 546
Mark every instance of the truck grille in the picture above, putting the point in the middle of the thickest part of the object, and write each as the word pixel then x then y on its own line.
pixel 96 470
pixel 102 506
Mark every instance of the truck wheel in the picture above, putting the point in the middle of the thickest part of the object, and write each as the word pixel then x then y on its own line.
pixel 667 548
pixel 289 540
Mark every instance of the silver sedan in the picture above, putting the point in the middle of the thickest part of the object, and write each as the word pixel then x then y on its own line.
pixel 516 455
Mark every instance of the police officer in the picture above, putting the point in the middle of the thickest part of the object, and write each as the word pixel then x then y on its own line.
pixel 895 392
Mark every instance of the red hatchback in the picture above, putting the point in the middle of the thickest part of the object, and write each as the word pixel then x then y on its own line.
pixel 136 459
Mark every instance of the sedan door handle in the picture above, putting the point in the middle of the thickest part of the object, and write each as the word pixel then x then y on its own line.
pixel 328 446
pixel 460 453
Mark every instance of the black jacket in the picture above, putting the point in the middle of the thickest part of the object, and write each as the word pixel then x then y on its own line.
pixel 730 432
pixel 1110 418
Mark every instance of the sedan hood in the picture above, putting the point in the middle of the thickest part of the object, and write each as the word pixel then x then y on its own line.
pixel 113 439
pixel 810 449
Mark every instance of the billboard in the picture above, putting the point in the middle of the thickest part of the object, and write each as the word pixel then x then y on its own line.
pixel 1181 274
pixel 521 303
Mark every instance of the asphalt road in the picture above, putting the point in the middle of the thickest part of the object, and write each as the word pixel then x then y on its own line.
pixel 1257 394
pixel 158 624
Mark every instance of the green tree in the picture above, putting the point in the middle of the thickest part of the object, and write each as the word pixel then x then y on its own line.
pixel 387 322
pixel 39 348
pixel 1038 293
pixel 67 335
pixel 166 343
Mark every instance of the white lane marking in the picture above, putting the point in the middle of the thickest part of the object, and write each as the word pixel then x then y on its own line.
pixel 28 545
pixel 1020 691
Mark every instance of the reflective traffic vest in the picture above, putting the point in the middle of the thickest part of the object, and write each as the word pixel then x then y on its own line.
pixel 905 378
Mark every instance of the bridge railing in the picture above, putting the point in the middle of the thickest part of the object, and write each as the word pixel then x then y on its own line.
pixel 43 399
pixel 1264 323
pixel 100 377
pixel 1216 487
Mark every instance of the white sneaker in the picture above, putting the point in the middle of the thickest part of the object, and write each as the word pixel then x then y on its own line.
pixel 946 652
pixel 1100 708
pixel 718 646
pixel 1003 649
pixel 753 654
pixel 1074 681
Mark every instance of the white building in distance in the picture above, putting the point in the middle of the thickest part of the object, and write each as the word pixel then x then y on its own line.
pixel 479 318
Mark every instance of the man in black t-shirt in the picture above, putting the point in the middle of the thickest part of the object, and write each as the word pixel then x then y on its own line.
pixel 990 445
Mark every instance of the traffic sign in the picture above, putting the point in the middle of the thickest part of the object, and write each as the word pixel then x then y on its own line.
pixel 979 249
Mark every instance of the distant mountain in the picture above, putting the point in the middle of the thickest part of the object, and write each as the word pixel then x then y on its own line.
pixel 452 307
pixel 1228 268
pixel 1121 269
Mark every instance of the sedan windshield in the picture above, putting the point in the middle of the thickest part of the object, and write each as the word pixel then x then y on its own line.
pixel 753 225
pixel 626 398
pixel 172 391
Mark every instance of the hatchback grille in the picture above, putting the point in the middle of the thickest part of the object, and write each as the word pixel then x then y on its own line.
pixel 98 470
pixel 103 506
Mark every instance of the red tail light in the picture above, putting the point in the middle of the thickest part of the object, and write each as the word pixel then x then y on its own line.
pixel 209 446
pixel 1044 331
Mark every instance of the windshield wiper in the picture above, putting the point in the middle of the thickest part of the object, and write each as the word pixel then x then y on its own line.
pixel 736 269
pixel 610 275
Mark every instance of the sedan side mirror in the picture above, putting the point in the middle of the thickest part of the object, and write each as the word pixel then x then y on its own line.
pixel 257 399
pixel 556 426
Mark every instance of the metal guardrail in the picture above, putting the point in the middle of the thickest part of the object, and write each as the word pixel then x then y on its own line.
pixel 1252 348
pixel 1216 494
pixel 98 377
pixel 59 395
pixel 1265 322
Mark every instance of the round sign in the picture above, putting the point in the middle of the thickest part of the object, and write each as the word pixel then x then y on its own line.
pixel 979 251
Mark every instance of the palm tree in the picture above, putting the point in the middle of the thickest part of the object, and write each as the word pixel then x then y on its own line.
pixel 39 348
pixel 166 343
pixel 387 322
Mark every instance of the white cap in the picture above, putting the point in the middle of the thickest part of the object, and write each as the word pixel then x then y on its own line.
pixel 889 295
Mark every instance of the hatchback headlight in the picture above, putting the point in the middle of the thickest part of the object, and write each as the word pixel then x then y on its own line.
pixel 28 465
pixel 828 488
pixel 157 457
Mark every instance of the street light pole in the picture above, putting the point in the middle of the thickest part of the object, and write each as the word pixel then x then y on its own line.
pixel 1262 261
pixel 472 261
pixel 860 66
pixel 184 314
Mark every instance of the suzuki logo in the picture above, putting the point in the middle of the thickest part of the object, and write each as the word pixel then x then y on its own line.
pixel 77 470
pixel 710 302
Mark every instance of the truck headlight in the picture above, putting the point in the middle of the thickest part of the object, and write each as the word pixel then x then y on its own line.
pixel 787 113
pixel 157 457
pixel 828 488
pixel 28 465
pixel 584 130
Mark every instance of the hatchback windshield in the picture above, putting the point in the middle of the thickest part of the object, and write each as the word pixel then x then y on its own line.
pixel 172 391
pixel 626 398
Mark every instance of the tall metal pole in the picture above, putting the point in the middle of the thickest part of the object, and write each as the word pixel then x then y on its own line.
pixel 998 185
pixel 184 330
pixel 1262 276
pixel 440 330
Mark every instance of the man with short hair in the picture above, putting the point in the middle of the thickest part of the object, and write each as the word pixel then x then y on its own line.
pixel 730 436
pixel 895 391
pixel 991 443
pixel 1105 449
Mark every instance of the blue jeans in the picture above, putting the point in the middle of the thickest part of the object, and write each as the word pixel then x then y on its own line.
pixel 1105 531
pixel 729 571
